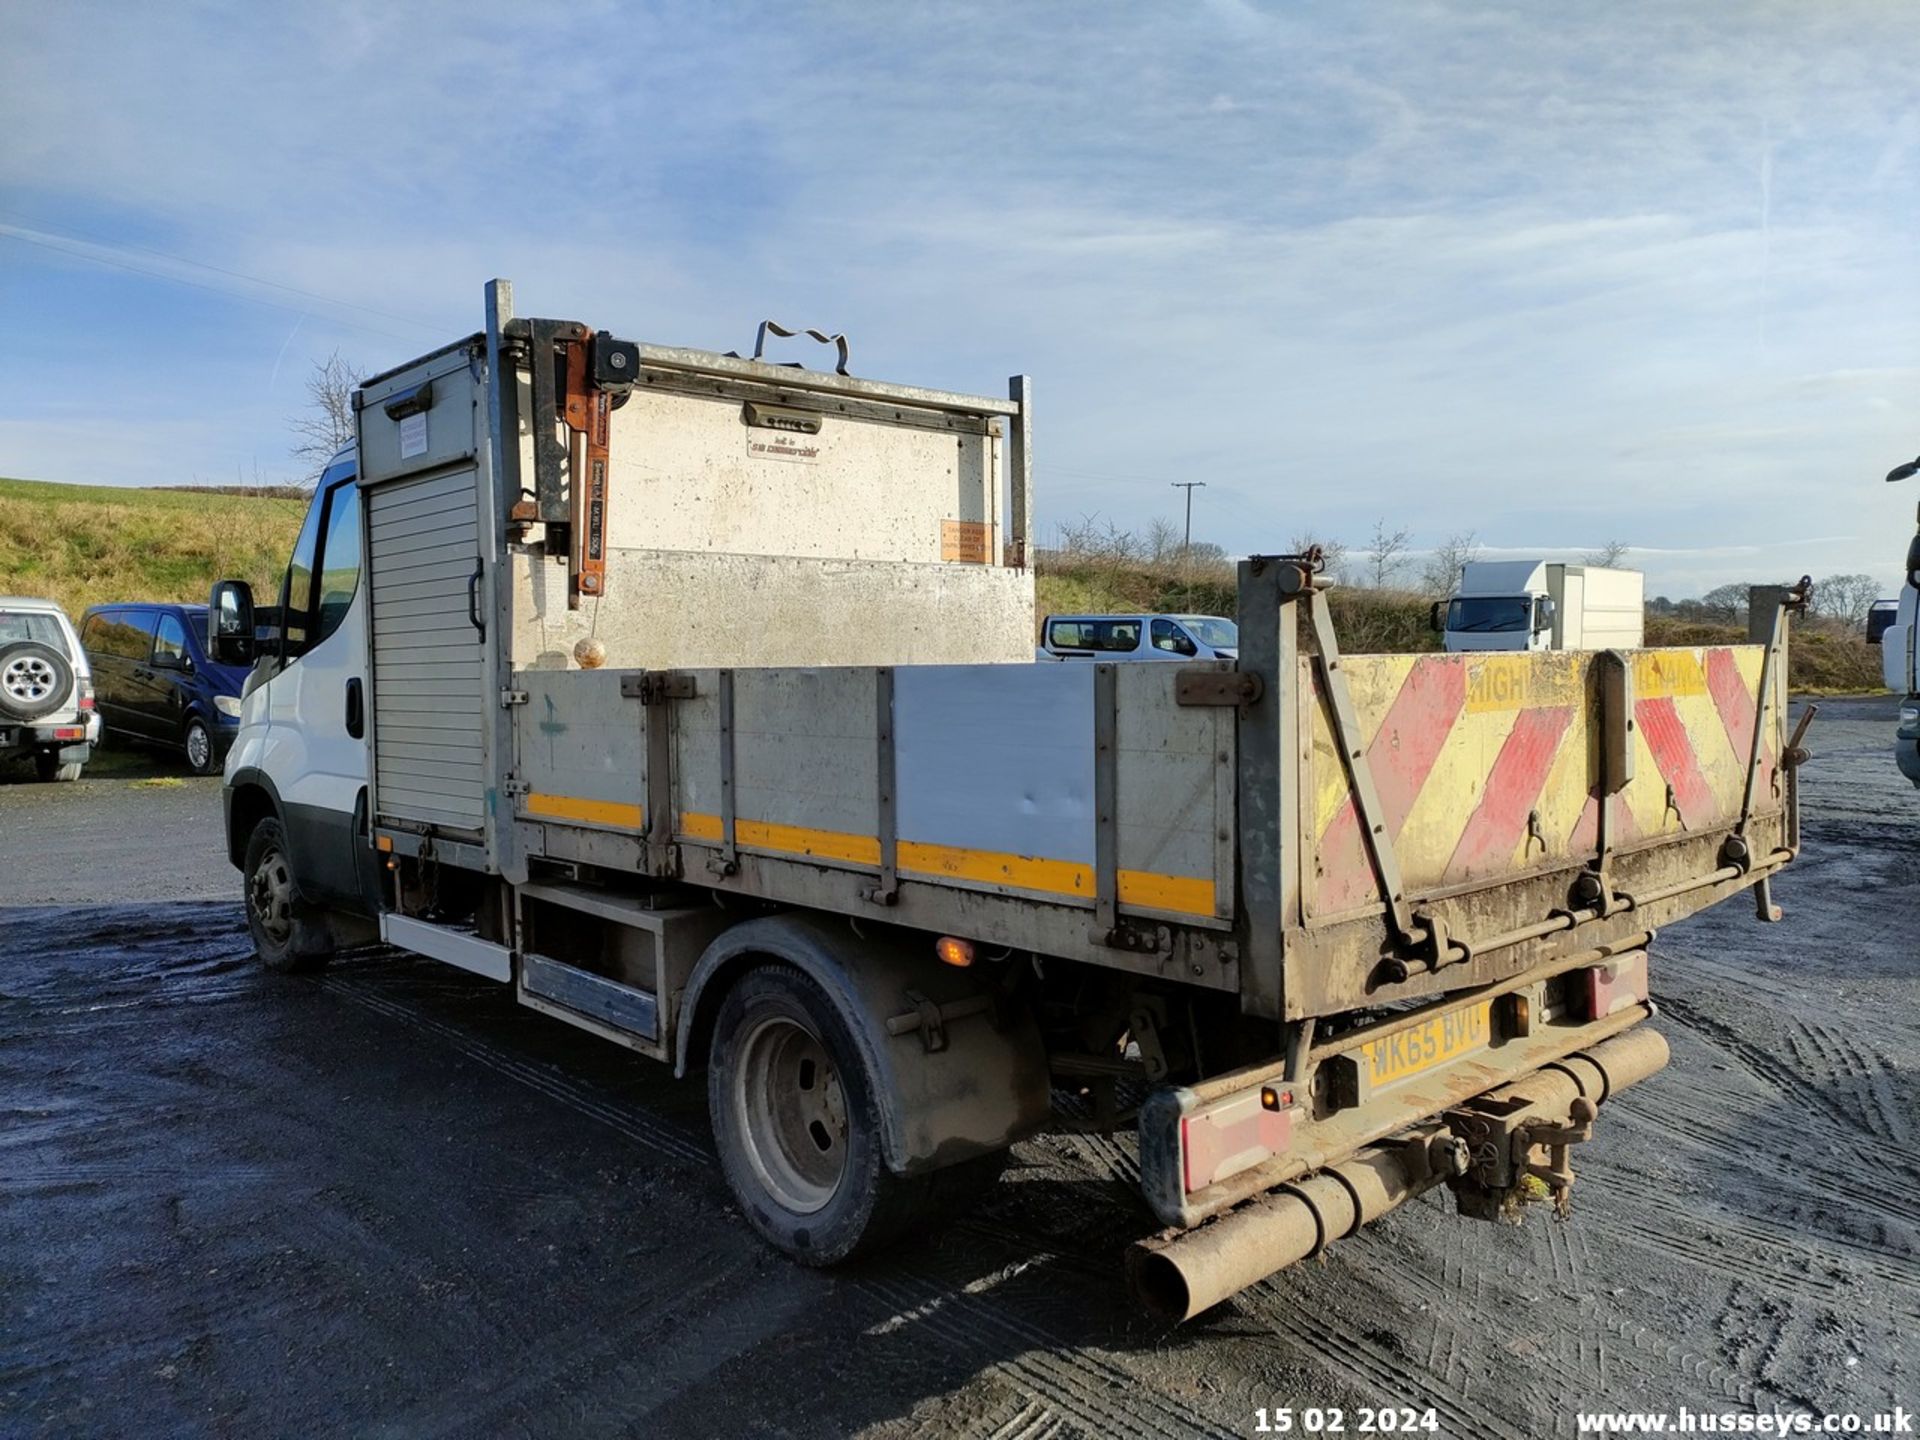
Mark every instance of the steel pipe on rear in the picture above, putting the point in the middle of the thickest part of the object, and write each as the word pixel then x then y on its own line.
pixel 1180 1277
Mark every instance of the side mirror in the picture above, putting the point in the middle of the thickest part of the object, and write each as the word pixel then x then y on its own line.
pixel 230 622
pixel 1904 472
pixel 1543 614
pixel 1434 622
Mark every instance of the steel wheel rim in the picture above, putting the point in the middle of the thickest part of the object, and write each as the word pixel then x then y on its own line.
pixel 29 679
pixel 199 747
pixel 271 895
pixel 792 1114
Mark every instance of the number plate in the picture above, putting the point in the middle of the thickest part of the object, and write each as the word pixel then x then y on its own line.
pixel 1424 1046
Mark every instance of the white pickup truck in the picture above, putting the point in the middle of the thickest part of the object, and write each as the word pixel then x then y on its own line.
pixel 1541 605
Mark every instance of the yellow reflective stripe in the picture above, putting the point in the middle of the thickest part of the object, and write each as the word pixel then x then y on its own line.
pixel 1179 894
pixel 1022 872
pixel 593 812
pixel 1182 894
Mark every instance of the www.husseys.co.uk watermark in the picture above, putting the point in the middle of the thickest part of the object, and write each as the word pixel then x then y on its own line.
pixel 1897 1421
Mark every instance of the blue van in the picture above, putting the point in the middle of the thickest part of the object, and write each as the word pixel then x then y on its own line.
pixel 155 681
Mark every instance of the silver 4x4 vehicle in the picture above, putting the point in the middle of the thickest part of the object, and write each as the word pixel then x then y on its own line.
pixel 46 690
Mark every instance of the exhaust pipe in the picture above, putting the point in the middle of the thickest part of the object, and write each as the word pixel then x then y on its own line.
pixel 1180 1276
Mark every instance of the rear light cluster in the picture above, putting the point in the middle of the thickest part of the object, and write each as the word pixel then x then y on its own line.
pixel 1235 1134
pixel 86 694
pixel 70 732
pixel 1618 985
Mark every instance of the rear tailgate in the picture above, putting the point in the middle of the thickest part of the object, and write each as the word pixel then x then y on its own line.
pixel 1488 766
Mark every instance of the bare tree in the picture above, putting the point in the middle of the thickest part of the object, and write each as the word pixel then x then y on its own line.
pixel 1386 552
pixel 1846 598
pixel 1610 554
pixel 1452 555
pixel 1162 541
pixel 327 424
pixel 1333 552
pixel 1726 602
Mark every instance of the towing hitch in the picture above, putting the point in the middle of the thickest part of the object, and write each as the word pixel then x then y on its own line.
pixel 1519 1137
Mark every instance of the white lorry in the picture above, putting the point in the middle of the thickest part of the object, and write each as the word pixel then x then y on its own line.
pixel 1543 605
pixel 694 698
pixel 1900 650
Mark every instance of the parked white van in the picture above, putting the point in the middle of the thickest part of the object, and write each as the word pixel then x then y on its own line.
pixel 1139 637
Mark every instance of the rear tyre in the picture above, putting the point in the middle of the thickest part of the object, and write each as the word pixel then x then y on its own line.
pixel 797 1126
pixel 49 769
pixel 197 741
pixel 287 936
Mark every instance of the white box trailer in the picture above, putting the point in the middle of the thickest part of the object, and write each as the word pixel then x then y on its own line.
pixel 699 707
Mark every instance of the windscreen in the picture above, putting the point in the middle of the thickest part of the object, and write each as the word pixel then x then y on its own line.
pixel 1486 615
pixel 31 625
pixel 1212 631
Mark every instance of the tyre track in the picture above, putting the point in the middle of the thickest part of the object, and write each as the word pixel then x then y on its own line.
pixel 1063 1383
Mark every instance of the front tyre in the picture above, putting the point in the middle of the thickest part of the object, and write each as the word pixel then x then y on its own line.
pixel 796 1123
pixel 197 741
pixel 285 934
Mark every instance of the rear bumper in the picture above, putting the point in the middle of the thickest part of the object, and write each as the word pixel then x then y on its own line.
pixel 80 734
pixel 1497 1150
pixel 1209 1147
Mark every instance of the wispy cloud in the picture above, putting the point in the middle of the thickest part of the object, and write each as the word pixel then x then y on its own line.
pixel 1636 271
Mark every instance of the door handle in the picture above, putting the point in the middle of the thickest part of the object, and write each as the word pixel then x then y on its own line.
pixel 473 599
pixel 140 673
pixel 356 709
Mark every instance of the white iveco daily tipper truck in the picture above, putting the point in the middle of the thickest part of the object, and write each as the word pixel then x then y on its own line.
pixel 693 697
pixel 1542 605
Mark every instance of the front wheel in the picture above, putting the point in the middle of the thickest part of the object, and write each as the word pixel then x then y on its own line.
pixel 197 741
pixel 285 934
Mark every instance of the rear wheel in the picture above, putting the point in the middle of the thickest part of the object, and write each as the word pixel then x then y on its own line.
pixel 797 1126
pixel 48 767
pixel 197 741
pixel 286 935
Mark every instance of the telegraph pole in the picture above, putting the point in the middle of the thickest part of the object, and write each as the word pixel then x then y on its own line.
pixel 1189 486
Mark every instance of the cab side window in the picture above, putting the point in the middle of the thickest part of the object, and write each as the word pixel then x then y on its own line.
pixel 1171 638
pixel 127 634
pixel 170 643
pixel 296 592
pixel 339 561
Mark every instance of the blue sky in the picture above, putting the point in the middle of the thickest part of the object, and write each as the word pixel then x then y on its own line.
pixel 1555 275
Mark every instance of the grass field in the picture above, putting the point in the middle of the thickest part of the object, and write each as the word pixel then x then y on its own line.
pixel 83 545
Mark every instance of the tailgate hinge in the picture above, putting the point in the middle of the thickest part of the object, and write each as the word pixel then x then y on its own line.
pixel 511 698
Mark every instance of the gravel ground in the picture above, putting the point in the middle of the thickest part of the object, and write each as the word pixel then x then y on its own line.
pixel 134 826
pixel 387 1201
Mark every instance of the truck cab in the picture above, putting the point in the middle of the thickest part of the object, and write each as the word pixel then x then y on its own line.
pixel 1900 664
pixel 1500 605
pixel 296 771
